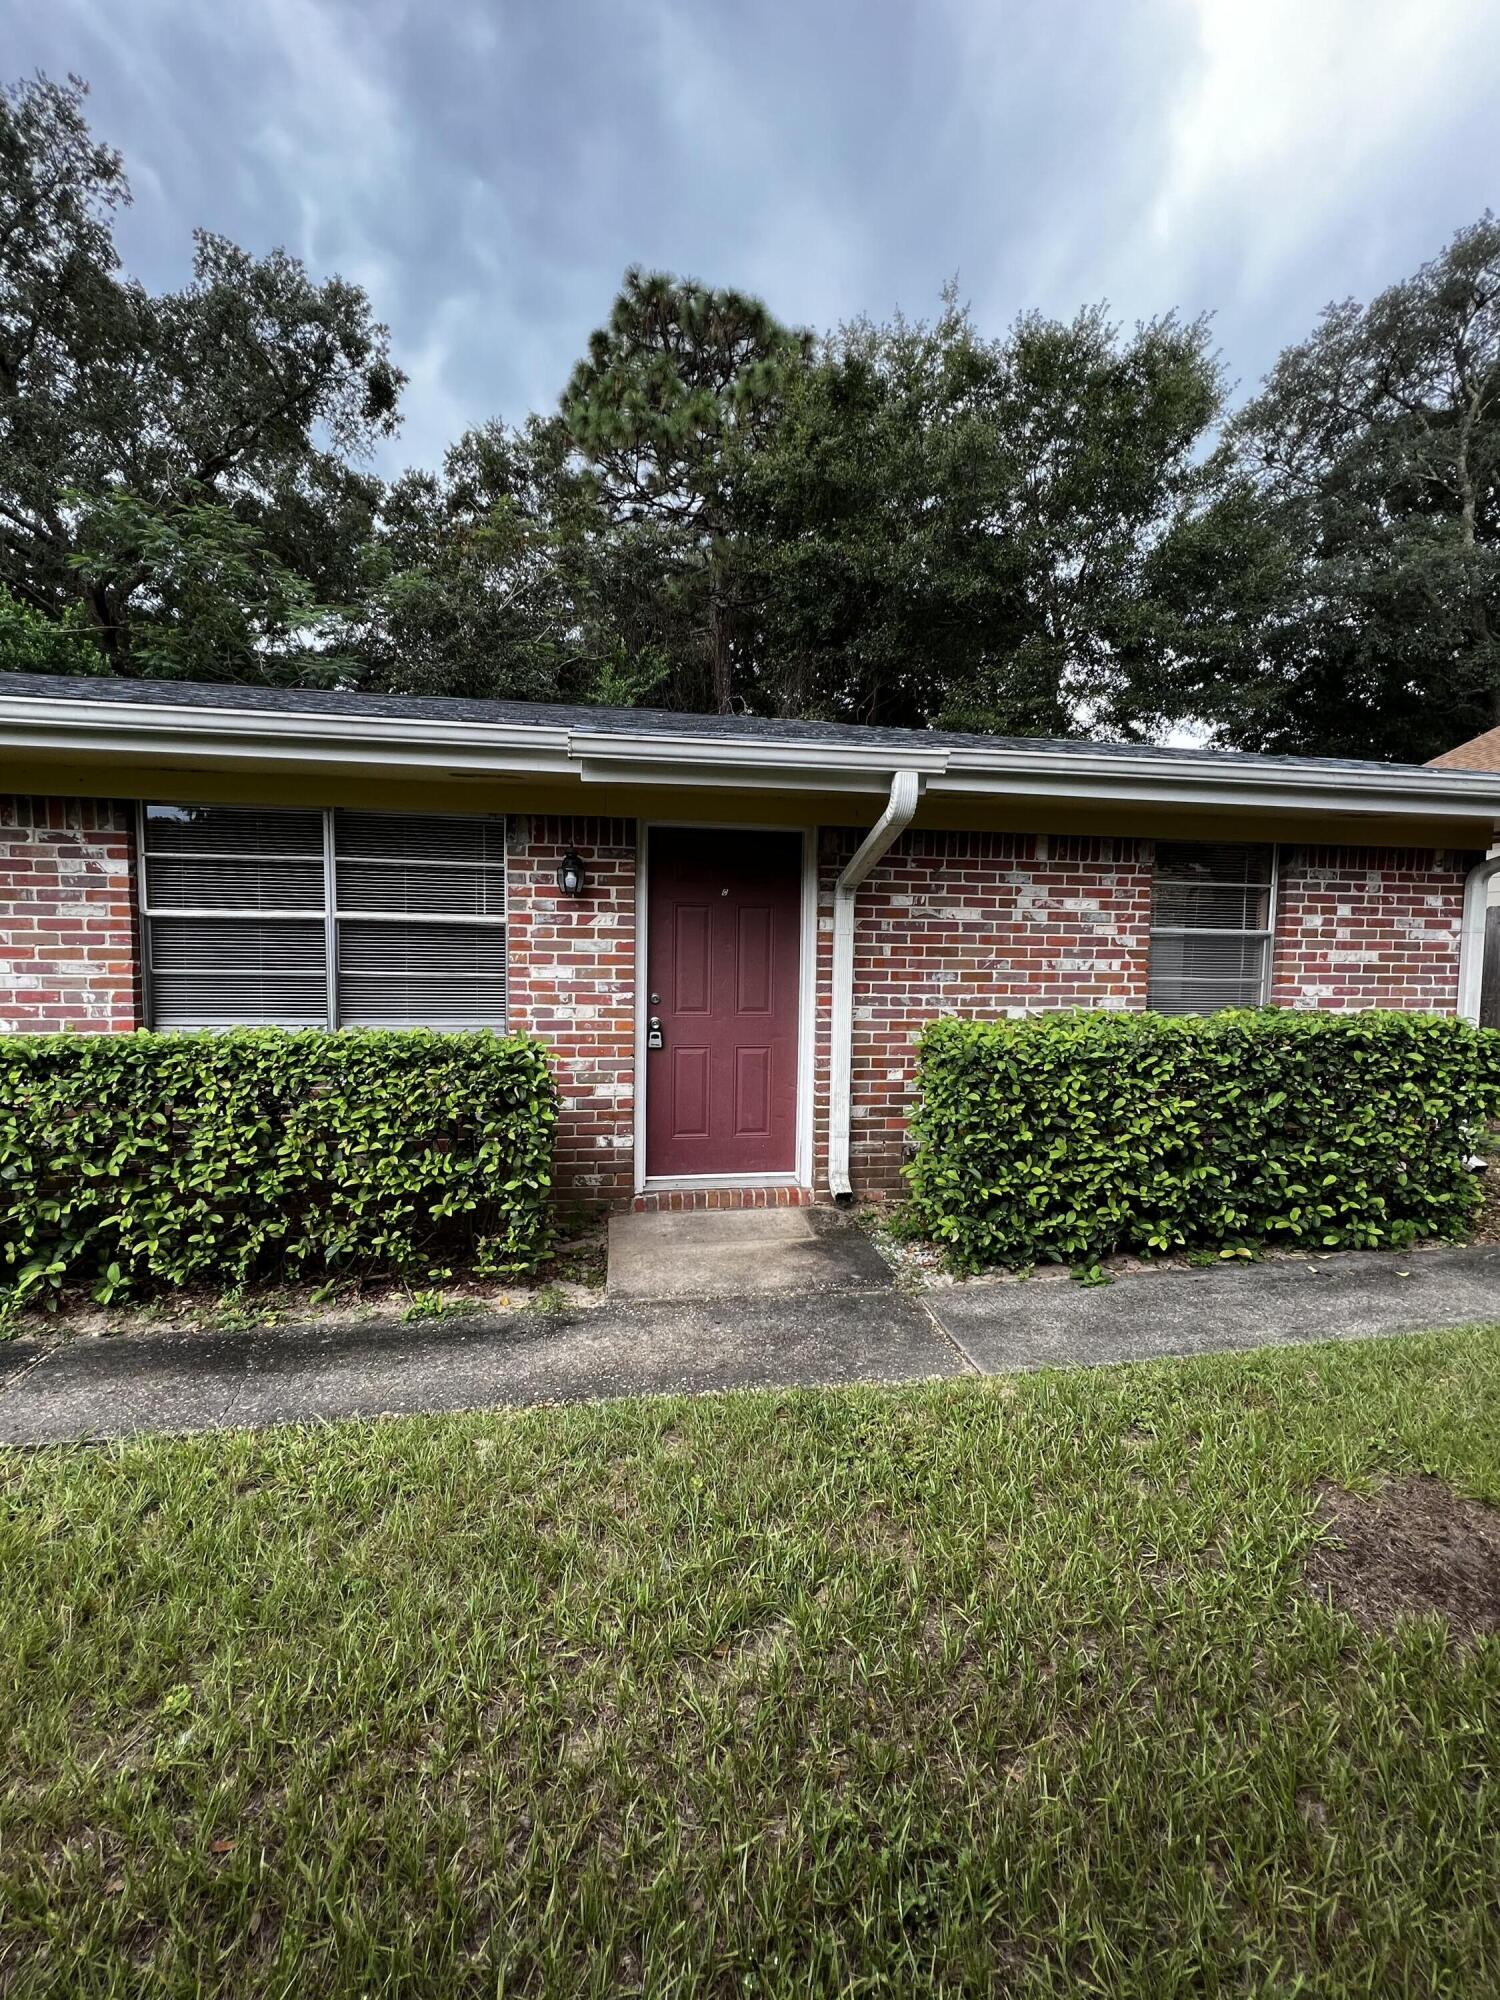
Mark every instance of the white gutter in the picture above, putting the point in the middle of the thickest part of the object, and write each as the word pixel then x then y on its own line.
pixel 611 754
pixel 1136 781
pixel 906 789
pixel 168 733
pixel 1471 936
pixel 158 734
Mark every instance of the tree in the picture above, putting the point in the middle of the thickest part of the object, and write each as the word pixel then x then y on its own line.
pixel 207 598
pixel 676 392
pixel 1356 509
pixel 138 431
pixel 66 327
pixel 464 593
pixel 32 643
pixel 497 578
pixel 958 529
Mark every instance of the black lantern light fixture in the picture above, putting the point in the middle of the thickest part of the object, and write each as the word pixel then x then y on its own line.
pixel 571 878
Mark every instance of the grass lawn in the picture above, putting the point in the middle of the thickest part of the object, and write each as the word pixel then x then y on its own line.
pixel 987 1687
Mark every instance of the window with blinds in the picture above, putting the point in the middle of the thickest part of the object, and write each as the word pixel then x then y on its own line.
pixel 322 919
pixel 420 903
pixel 1211 920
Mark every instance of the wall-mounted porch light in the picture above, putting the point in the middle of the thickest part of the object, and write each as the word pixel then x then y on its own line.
pixel 571 877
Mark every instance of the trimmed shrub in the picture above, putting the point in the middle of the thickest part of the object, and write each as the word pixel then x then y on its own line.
pixel 1070 1136
pixel 133 1162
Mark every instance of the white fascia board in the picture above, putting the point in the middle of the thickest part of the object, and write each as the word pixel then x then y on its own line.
pixel 1207 783
pixel 163 733
pixel 715 772
pixel 171 733
pixel 607 758
pixel 1216 785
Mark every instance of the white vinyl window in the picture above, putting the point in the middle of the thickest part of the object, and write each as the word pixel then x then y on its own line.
pixel 305 918
pixel 1212 906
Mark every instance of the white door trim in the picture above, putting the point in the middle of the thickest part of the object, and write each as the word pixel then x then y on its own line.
pixel 807 972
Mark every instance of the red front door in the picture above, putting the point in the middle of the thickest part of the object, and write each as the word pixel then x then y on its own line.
pixel 722 944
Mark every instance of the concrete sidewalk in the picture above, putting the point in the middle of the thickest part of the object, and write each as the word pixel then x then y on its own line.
pixel 856 1331
pixel 1148 1314
pixel 209 1381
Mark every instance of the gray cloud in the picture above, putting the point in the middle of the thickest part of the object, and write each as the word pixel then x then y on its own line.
pixel 487 170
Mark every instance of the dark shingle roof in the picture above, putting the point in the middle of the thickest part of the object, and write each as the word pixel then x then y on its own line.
pixel 646 722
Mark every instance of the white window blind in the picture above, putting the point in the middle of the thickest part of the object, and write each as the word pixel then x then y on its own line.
pixel 321 919
pixel 420 899
pixel 1211 921
pixel 236 921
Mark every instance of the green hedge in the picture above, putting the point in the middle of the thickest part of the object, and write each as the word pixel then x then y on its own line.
pixel 133 1162
pixel 1071 1136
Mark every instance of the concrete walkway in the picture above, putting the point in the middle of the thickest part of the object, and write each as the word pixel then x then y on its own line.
pixel 832 1318
pixel 207 1381
pixel 1051 1322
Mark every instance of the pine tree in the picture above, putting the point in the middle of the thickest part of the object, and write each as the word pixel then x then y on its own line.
pixel 675 390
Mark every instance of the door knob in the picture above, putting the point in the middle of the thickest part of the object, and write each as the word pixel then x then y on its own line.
pixel 653 1032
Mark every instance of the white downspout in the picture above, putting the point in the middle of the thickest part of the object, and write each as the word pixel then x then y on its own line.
pixel 1471 936
pixel 906 788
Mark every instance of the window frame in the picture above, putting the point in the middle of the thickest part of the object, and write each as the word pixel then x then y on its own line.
pixel 330 914
pixel 1265 937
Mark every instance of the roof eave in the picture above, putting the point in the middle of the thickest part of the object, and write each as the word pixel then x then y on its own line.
pixel 169 734
pixel 164 734
pixel 1214 787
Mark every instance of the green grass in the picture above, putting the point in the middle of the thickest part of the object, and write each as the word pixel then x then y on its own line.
pixel 970 1688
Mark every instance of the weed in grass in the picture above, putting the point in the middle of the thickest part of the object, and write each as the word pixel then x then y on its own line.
pixel 240 1310
pixel 961 1688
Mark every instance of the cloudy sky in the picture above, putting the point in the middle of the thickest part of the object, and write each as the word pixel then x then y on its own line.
pixel 487 168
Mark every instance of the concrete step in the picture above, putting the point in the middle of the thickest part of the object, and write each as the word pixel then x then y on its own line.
pixel 716 1253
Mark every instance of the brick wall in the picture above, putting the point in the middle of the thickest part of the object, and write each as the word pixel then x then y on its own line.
pixel 970 924
pixel 1368 927
pixel 949 923
pixel 67 916
pixel 572 984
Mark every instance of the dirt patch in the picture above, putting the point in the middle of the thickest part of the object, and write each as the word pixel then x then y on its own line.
pixel 1412 1547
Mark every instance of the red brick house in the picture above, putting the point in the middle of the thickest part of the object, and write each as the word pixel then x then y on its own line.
pixel 728 930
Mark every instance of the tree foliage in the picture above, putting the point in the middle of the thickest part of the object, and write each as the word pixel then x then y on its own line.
pixel 1344 580
pixel 464 591
pixel 32 643
pixel 501 577
pixel 675 396
pixel 201 593
pixel 957 529
pixel 139 431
